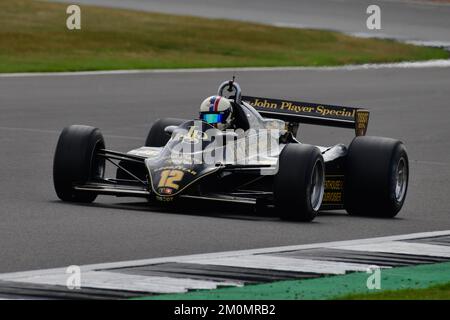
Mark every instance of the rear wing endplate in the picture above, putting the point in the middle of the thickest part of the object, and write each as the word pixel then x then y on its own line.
pixel 311 113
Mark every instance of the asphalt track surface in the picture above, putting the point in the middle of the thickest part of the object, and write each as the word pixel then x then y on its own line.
pixel 402 19
pixel 38 231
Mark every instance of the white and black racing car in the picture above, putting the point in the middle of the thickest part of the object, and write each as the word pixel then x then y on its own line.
pixel 262 164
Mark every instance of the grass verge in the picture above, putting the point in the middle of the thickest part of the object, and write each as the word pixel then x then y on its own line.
pixel 34 37
pixel 438 292
pixel 413 282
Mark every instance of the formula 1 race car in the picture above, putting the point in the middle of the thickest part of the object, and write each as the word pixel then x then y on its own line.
pixel 263 164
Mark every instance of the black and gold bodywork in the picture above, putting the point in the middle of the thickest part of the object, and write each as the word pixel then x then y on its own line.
pixel 162 179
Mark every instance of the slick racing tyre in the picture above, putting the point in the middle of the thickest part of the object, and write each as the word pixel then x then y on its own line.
pixel 75 161
pixel 376 177
pixel 299 183
pixel 156 137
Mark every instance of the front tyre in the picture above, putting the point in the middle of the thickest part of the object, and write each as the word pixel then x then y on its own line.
pixel 299 183
pixel 377 173
pixel 157 137
pixel 75 162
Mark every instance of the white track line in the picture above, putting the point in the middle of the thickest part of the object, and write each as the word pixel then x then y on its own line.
pixel 441 63
pixel 128 282
pixel 284 264
pixel 402 248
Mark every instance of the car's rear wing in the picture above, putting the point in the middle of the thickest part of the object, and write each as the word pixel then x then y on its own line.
pixel 311 113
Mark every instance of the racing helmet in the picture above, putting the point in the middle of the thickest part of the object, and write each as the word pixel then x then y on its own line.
pixel 217 111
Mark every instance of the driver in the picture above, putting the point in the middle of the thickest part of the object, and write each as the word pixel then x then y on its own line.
pixel 217 111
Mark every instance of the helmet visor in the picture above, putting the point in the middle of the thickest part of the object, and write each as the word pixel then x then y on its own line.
pixel 212 118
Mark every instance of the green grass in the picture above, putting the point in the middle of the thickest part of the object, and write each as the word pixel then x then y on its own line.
pixel 428 281
pixel 439 292
pixel 34 37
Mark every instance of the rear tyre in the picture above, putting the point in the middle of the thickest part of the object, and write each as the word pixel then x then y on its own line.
pixel 299 183
pixel 377 172
pixel 75 161
pixel 156 137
